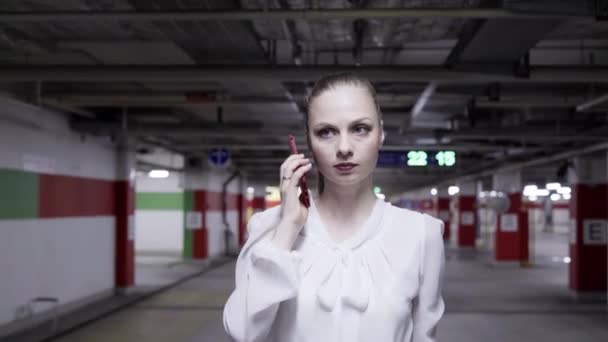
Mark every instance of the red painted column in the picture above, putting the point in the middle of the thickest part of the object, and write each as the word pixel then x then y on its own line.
pixel 589 212
pixel 466 208
pixel 442 211
pixel 242 229
pixel 426 206
pixel 512 231
pixel 588 251
pixel 124 208
pixel 200 237
pixel 467 220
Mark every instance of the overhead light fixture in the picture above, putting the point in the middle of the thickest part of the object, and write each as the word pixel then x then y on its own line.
pixel 250 190
pixel 567 196
pixel 555 197
pixel 434 191
pixel 158 174
pixel 564 190
pixel 453 190
pixel 542 192
pixel 530 189
pixel 553 186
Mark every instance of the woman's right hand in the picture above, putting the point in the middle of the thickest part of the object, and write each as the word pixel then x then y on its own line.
pixel 293 213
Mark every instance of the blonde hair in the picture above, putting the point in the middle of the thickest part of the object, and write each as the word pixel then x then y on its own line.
pixel 331 81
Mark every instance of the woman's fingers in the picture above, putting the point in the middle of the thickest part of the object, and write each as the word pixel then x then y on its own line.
pixel 285 166
pixel 299 173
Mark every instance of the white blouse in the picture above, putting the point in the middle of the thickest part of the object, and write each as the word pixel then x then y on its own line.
pixel 382 284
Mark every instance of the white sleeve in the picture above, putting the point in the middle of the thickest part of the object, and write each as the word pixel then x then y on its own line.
pixel 265 276
pixel 428 306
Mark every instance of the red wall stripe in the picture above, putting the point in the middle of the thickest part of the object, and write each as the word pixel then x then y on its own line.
pixel 258 203
pixel 69 196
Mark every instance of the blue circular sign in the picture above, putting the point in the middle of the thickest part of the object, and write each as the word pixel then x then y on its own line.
pixel 219 156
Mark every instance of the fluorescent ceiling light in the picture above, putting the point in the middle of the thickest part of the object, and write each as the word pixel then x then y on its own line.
pixel 158 174
pixel 453 190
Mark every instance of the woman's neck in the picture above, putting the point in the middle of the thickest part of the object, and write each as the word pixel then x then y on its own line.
pixel 344 203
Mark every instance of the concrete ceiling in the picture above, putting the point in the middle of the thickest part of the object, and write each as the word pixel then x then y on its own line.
pixel 497 81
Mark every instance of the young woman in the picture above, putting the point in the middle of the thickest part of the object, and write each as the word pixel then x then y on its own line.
pixel 352 267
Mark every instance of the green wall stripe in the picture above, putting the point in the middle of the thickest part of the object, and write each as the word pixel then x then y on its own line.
pixel 160 201
pixel 18 194
pixel 188 205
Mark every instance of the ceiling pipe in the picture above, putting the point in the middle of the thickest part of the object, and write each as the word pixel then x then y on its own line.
pixel 583 107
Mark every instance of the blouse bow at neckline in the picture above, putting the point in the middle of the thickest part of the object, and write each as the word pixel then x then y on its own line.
pixel 348 276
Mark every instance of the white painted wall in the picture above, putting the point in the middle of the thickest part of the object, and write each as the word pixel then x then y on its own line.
pixel 64 258
pixel 561 220
pixel 40 140
pixel 173 183
pixel 69 259
pixel 536 219
pixel 159 231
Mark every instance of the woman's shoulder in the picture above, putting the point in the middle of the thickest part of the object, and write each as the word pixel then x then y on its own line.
pixel 259 225
pixel 408 226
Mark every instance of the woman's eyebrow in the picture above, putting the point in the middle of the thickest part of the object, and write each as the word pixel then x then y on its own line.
pixel 321 124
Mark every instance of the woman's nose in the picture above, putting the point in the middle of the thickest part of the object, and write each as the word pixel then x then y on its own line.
pixel 344 147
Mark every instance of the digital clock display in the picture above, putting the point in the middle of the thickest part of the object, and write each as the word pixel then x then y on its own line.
pixel 417 158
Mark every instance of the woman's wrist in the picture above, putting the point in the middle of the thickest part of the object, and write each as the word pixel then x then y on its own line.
pixel 284 237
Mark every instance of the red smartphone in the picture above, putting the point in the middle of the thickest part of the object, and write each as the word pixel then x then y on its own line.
pixel 304 199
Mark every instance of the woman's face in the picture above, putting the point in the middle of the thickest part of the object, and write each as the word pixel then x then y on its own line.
pixel 344 128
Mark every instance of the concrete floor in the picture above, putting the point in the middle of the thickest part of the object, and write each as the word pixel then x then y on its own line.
pixel 484 302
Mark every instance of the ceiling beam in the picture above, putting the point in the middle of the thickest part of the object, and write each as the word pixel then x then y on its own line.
pixel 292 14
pixel 399 74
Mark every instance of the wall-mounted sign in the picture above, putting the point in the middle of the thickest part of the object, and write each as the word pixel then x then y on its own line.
pixel 508 222
pixel 467 218
pixel 594 232
pixel 194 220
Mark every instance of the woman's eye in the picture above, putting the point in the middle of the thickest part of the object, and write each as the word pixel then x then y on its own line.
pixel 361 129
pixel 323 132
